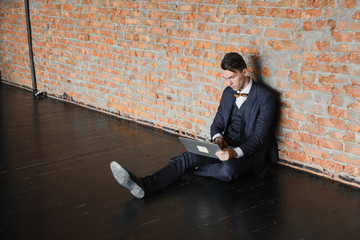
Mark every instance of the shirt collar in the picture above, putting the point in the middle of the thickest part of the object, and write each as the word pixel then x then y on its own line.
pixel 248 87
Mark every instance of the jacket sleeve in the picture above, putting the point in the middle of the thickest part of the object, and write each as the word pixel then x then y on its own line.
pixel 218 124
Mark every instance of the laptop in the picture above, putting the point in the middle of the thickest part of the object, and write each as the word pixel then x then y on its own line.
pixel 207 149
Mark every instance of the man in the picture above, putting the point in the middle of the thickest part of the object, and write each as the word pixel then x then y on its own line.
pixel 242 127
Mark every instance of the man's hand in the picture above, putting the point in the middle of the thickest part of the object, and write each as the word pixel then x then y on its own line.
pixel 226 154
pixel 221 142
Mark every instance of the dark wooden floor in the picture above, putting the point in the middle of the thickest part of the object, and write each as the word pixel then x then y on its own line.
pixel 56 184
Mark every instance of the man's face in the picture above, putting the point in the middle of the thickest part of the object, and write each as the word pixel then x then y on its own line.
pixel 236 80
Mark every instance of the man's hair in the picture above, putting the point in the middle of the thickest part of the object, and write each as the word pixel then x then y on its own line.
pixel 233 61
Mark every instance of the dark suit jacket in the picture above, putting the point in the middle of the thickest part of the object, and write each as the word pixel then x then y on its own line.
pixel 256 129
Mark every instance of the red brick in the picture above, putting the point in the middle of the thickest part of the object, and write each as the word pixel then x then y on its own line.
pixel 323 46
pixel 348 137
pixel 187 8
pixel 283 45
pixel 151 5
pixel 353 148
pixel 263 3
pixel 214 19
pixel 354 171
pixel 277 34
pixel 290 124
pixel 352 91
pixel 284 13
pixel 331 24
pixel 133 21
pixel 320 24
pixel 311 13
pixel 157 30
pixel 316 129
pixel 184 124
pixel 308 26
pixel 302 76
pixel 263 22
pixel 340 113
pixel 342 37
pixel 285 25
pixel 230 29
pixel 314 150
pixel 356 16
pixel 345 158
pixel 247 50
pixel 116 3
pixel 131 4
pixel 297 96
pixel 299 156
pixel 296 115
pixel 355 105
pixel 329 165
pixel 197 120
pixel 320 3
pixel 204 44
pixel 68 7
pixel 328 143
pixel 349 3
pixel 336 100
pixel 332 122
pixel 345 48
pixel 207 9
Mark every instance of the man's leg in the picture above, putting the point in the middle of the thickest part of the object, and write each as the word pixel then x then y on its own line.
pixel 127 180
pixel 227 170
pixel 160 179
pixel 174 170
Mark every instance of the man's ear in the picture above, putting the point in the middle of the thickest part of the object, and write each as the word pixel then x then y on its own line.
pixel 246 72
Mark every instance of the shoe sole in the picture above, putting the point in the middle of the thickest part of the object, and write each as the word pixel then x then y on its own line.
pixel 123 178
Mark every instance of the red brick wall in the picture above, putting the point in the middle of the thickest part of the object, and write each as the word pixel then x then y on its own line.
pixel 157 62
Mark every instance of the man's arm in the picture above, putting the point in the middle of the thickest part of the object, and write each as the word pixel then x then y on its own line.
pixel 218 124
pixel 258 137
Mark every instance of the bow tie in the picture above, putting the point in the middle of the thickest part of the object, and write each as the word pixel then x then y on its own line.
pixel 240 95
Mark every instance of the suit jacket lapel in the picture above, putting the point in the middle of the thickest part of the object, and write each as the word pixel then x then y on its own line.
pixel 229 102
pixel 247 105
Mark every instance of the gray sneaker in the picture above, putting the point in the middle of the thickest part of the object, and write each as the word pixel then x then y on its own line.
pixel 123 177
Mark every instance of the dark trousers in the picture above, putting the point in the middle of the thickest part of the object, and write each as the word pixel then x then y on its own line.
pixel 200 165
